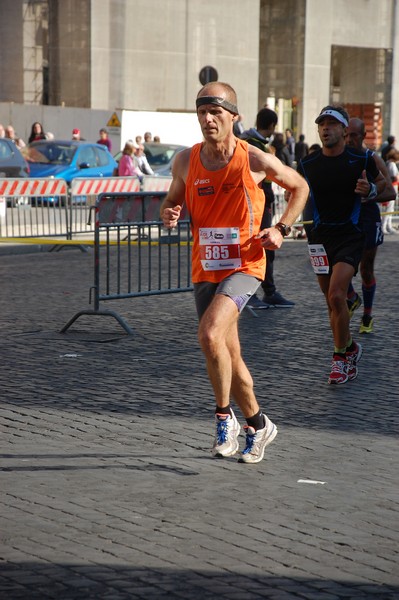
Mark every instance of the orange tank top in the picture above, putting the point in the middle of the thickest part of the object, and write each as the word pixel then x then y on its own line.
pixel 225 208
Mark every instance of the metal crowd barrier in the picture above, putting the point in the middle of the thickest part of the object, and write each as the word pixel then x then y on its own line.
pixel 33 208
pixel 84 193
pixel 48 207
pixel 298 230
pixel 135 258
pixel 90 189
pixel 278 207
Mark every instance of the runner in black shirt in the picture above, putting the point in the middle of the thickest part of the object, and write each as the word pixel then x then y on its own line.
pixel 370 218
pixel 338 177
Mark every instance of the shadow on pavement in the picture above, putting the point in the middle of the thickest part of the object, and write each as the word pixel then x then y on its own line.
pixel 81 581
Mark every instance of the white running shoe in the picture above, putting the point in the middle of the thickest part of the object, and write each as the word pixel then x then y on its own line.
pixel 226 438
pixel 256 442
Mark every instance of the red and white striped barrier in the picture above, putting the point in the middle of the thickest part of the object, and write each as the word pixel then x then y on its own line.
pixel 156 184
pixel 81 186
pixel 87 187
pixel 114 185
pixel 33 187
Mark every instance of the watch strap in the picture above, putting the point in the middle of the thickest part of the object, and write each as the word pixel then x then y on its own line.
pixel 283 229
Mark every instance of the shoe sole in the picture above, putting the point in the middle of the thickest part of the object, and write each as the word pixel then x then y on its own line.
pixel 231 453
pixel 333 382
pixel 268 441
pixel 368 329
pixel 281 305
pixel 258 307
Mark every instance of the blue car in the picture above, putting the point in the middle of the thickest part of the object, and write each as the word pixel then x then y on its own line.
pixel 68 159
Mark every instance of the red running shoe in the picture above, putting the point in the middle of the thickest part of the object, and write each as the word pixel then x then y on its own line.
pixel 339 370
pixel 353 358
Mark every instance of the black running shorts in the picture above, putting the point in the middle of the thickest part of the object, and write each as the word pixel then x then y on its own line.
pixel 340 246
pixel 371 225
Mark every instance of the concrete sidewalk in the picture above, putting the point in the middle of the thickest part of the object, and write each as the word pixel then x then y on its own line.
pixel 108 489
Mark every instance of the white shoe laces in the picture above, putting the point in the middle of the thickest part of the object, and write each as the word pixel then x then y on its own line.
pixel 339 366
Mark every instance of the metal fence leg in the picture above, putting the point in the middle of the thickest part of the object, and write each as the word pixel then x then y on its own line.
pixel 59 247
pixel 106 313
pixel 251 310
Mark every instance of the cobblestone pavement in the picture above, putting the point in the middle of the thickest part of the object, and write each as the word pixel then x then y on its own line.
pixel 108 489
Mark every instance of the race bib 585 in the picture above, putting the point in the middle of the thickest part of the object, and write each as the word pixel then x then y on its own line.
pixel 219 248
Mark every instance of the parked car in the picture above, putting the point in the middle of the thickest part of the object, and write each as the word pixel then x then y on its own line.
pixel 12 164
pixel 68 159
pixel 160 156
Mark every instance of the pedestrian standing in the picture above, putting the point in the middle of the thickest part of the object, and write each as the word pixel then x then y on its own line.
pixel 260 136
pixel 37 133
pixel 104 139
pixel 301 148
pixel 11 135
pixel 128 165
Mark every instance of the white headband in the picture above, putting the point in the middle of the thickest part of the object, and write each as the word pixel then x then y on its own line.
pixel 334 114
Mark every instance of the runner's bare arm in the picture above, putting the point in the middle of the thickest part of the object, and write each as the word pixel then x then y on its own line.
pixel 262 165
pixel 171 207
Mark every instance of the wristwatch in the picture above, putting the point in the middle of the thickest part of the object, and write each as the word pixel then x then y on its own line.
pixel 283 229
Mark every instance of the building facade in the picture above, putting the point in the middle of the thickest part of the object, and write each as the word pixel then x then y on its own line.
pixel 143 55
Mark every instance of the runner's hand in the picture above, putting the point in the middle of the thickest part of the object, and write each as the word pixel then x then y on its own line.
pixel 170 216
pixel 270 238
pixel 363 185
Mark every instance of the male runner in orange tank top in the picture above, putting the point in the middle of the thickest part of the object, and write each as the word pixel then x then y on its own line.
pixel 219 180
